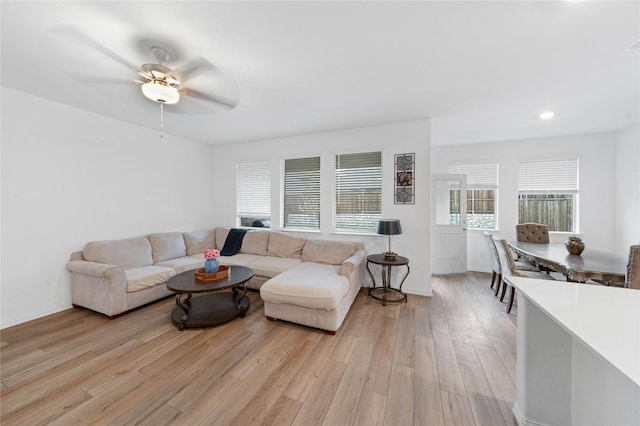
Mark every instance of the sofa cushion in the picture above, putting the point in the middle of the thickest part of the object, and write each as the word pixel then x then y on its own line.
pixel 283 245
pixel 199 241
pixel 167 245
pixel 255 242
pixel 221 236
pixel 241 259
pixel 129 252
pixel 183 264
pixel 270 266
pixel 311 285
pixel 147 276
pixel 331 252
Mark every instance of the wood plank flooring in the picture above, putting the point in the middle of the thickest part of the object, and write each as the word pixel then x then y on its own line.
pixel 445 360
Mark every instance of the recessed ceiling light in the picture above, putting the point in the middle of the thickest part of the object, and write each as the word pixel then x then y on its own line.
pixel 547 115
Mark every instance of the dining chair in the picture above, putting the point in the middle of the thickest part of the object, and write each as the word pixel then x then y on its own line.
pixel 536 233
pixel 632 279
pixel 495 262
pixel 509 268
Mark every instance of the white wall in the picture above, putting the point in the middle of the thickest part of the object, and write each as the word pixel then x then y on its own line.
pixel 597 154
pixel 406 137
pixel 627 188
pixel 69 177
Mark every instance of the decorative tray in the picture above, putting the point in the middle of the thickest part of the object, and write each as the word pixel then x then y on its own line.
pixel 201 275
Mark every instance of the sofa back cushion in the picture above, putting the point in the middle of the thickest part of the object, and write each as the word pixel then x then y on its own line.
pixel 331 252
pixel 198 241
pixel 130 252
pixel 167 245
pixel 283 245
pixel 221 236
pixel 255 242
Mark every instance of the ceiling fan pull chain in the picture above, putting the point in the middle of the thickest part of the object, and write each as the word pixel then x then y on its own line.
pixel 161 120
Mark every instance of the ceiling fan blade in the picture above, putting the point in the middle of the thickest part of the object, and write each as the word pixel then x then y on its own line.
pixel 208 78
pixel 219 100
pixel 189 104
pixel 92 79
pixel 194 68
pixel 73 39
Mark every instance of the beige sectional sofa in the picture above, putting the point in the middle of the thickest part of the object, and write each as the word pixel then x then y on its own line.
pixel 310 282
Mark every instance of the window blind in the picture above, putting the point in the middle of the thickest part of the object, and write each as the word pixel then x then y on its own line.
pixel 557 176
pixel 358 182
pixel 481 197
pixel 483 176
pixel 253 190
pixel 301 193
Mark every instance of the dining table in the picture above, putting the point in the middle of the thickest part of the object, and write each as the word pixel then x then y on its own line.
pixel 600 266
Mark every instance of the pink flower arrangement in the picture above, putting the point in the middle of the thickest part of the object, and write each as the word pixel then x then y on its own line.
pixel 211 253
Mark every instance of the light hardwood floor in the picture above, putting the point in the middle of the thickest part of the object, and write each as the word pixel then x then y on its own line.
pixel 448 359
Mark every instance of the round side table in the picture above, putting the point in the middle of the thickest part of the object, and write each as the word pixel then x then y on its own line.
pixel 383 293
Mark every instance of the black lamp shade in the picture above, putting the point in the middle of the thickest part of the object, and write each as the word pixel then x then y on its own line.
pixel 389 227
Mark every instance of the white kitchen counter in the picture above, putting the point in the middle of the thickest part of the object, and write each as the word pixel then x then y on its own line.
pixel 578 353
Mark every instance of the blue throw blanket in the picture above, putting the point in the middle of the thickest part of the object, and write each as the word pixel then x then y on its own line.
pixel 233 243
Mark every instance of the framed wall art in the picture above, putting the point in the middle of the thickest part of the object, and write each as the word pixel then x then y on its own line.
pixel 405 190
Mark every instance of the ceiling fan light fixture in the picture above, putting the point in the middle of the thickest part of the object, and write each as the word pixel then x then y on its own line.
pixel 161 92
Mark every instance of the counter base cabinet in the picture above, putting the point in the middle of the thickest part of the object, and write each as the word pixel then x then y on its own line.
pixel 562 380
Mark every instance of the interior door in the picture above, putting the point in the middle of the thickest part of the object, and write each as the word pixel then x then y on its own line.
pixel 449 213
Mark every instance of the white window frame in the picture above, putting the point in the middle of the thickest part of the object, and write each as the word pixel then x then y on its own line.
pixel 480 176
pixel 253 192
pixel 298 183
pixel 345 182
pixel 554 176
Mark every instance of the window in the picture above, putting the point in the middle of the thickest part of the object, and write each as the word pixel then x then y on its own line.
pixel 482 188
pixel 301 193
pixel 253 194
pixel 548 193
pixel 358 204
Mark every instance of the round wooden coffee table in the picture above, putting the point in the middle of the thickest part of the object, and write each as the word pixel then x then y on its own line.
pixel 209 309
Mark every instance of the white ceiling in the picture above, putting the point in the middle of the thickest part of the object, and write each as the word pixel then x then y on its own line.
pixel 482 71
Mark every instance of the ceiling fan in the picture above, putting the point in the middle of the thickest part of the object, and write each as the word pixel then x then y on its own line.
pixel 161 86
pixel 194 86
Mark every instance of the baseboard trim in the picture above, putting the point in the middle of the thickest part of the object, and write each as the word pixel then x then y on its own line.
pixel 417 291
pixel 471 268
pixel 33 316
pixel 521 420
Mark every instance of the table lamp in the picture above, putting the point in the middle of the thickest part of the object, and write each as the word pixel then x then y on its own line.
pixel 389 227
